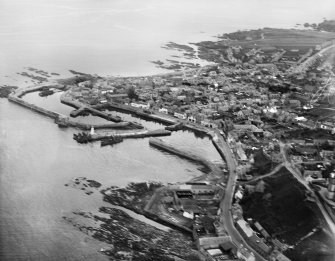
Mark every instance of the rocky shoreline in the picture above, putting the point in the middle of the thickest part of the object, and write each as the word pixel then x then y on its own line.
pixel 129 238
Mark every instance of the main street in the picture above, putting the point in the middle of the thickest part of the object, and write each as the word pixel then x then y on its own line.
pixel 226 203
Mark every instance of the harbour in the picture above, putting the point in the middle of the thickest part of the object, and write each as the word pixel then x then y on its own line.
pixel 109 165
pixel 38 155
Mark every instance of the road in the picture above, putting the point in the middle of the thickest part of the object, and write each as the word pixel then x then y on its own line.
pixel 274 171
pixel 304 65
pixel 227 201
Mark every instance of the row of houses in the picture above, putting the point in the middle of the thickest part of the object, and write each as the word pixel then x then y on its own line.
pixel 191 118
pixel 252 238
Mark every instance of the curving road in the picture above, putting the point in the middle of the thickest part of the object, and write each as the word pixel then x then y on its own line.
pixel 304 65
pixel 227 201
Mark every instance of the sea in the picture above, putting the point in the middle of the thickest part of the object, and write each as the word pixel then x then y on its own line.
pixel 108 38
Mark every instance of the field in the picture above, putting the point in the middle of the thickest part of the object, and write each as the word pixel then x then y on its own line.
pixel 295 42
pixel 284 213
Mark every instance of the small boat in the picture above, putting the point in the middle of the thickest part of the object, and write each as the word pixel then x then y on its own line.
pixel 46 92
pixel 111 141
pixel 82 137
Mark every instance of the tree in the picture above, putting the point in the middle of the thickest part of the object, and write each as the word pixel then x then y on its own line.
pixel 131 93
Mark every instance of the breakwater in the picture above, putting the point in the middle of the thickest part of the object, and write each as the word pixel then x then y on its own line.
pixel 63 120
pixel 184 154
pixel 51 114
pixel 67 122
pixel 130 135
pixel 22 91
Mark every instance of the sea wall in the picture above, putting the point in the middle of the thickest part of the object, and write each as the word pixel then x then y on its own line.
pixel 130 135
pixel 182 153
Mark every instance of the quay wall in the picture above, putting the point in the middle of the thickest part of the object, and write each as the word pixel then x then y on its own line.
pixel 22 91
pixel 165 221
pixel 154 133
pixel 129 135
pixel 175 127
pixel 70 102
pixel 184 154
pixel 76 113
pixel 85 126
pixel 197 129
pixel 137 112
pixel 66 99
pixel 103 114
pixel 59 118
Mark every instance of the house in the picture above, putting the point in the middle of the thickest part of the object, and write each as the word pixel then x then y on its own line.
pixel 215 254
pixel 244 227
pixel 256 242
pixel 163 110
pixel 195 189
pixel 182 116
pixel 328 126
pixel 140 105
pixel 308 125
pixel 327 153
pixel 246 255
pixel 191 119
pixel 229 246
pixel 211 242
pixel 208 124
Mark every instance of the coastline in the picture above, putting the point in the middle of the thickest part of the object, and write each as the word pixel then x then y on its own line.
pixel 219 142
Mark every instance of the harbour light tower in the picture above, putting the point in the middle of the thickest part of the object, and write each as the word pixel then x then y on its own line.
pixel 92 130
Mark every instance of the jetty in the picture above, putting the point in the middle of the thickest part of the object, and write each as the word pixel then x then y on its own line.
pixel 158 143
pixel 137 112
pixel 132 134
pixel 67 122
pixel 81 107
pixel 63 120
pixel 48 113
pixel 22 91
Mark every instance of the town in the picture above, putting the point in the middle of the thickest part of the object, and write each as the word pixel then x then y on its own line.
pixel 266 109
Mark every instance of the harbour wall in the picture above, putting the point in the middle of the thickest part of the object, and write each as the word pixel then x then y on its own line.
pixel 184 154
pixel 130 135
pixel 66 99
pixel 65 121
pixel 51 114
pixel 137 112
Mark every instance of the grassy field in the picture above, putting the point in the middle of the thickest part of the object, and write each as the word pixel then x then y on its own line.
pixel 295 42
pixel 284 213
